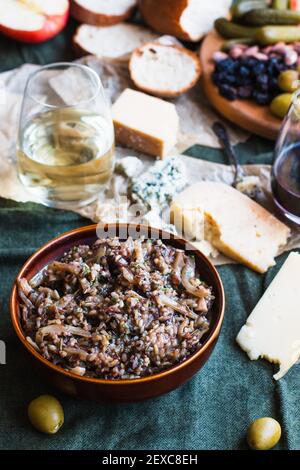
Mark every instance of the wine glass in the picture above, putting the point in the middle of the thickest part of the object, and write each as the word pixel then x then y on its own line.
pixel 66 136
pixel 286 166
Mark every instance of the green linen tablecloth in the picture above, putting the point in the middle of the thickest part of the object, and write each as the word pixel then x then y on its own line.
pixel 212 411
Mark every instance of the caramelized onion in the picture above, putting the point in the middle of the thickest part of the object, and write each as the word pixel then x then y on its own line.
pixel 177 267
pixel 101 252
pixel 37 279
pixel 138 251
pixel 202 305
pixel 59 330
pixel 24 286
pixel 129 245
pixel 127 274
pixel 168 302
pixel 26 301
pixel 77 352
pixel 78 370
pixel 187 274
pixel 32 343
pixel 70 268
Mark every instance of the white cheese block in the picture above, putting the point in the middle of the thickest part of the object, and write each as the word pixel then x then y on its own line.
pixel 272 331
pixel 235 224
pixel 144 123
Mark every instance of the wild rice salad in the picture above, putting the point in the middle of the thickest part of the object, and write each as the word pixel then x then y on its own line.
pixel 117 309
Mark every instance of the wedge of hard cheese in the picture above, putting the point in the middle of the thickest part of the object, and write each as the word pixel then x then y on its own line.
pixel 272 331
pixel 144 123
pixel 234 224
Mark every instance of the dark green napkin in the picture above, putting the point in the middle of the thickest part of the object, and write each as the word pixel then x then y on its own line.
pixel 212 411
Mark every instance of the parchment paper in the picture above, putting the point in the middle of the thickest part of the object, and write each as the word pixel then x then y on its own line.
pixel 196 119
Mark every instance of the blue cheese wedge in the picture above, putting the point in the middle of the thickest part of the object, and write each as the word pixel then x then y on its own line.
pixel 272 331
pixel 156 188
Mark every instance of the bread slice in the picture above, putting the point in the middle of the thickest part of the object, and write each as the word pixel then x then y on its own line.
pixel 164 70
pixel 111 41
pixel 235 224
pixel 102 12
pixel 186 19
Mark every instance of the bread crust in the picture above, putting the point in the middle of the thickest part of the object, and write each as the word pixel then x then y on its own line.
pixel 164 16
pixel 97 19
pixel 79 51
pixel 165 93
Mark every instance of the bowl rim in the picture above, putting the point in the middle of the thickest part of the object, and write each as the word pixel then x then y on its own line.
pixel 14 313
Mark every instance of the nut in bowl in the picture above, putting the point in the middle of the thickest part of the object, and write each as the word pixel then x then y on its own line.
pixel 119 312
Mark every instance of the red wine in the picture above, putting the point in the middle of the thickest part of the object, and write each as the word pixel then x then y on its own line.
pixel 286 181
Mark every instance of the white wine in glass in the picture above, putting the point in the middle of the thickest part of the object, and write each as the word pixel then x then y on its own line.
pixel 66 137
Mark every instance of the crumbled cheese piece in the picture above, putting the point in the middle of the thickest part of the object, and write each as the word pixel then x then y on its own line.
pixel 129 166
pixel 272 331
pixel 153 219
pixel 157 187
pixel 250 185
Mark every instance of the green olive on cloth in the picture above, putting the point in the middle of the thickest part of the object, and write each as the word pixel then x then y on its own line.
pixel 46 414
pixel 263 434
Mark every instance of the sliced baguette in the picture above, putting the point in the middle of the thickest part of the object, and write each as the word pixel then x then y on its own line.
pixel 102 12
pixel 189 20
pixel 111 41
pixel 164 70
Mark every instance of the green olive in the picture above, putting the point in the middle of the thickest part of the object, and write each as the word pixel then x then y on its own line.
pixel 289 80
pixel 280 105
pixel 46 414
pixel 263 434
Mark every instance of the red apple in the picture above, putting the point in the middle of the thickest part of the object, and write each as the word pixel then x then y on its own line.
pixel 33 21
pixel 295 5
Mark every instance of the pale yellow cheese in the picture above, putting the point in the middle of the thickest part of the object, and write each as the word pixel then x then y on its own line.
pixel 272 331
pixel 144 123
pixel 191 224
pixel 189 221
pixel 235 224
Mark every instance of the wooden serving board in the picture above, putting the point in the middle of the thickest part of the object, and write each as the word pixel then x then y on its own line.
pixel 245 113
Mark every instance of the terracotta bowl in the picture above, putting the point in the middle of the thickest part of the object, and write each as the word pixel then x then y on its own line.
pixel 120 390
